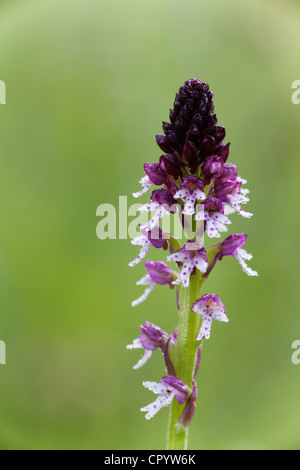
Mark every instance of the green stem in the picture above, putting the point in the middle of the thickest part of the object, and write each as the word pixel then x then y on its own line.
pixel 185 359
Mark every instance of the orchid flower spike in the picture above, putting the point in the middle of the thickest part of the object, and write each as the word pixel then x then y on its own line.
pixel 193 181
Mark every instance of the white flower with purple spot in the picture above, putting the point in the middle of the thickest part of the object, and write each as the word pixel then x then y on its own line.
pixel 145 244
pixel 168 388
pixel 159 212
pixel 191 190
pixel 228 188
pixel 230 191
pixel 146 184
pixel 238 198
pixel 210 308
pixel 156 237
pixel 213 215
pixel 162 201
pixel 193 256
pixel 241 255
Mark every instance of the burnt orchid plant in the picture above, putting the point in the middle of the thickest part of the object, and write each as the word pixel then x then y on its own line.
pixel 198 186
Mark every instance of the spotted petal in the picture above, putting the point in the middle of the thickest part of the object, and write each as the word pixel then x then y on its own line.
pixel 146 184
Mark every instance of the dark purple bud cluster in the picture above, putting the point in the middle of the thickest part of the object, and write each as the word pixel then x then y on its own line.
pixel 194 167
pixel 192 135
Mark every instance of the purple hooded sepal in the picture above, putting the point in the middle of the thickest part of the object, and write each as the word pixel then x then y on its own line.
pixel 164 198
pixel 213 167
pixel 155 173
pixel 195 248
pixel 212 204
pixel 227 248
pixel 192 183
pixel 229 172
pixel 152 337
pixel 231 244
pixel 156 237
pixel 223 188
pixel 160 273
pixel 189 409
pixel 227 182
pixel 176 385
pixel 206 299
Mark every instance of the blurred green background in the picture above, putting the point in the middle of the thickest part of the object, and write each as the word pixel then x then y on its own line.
pixel 88 84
